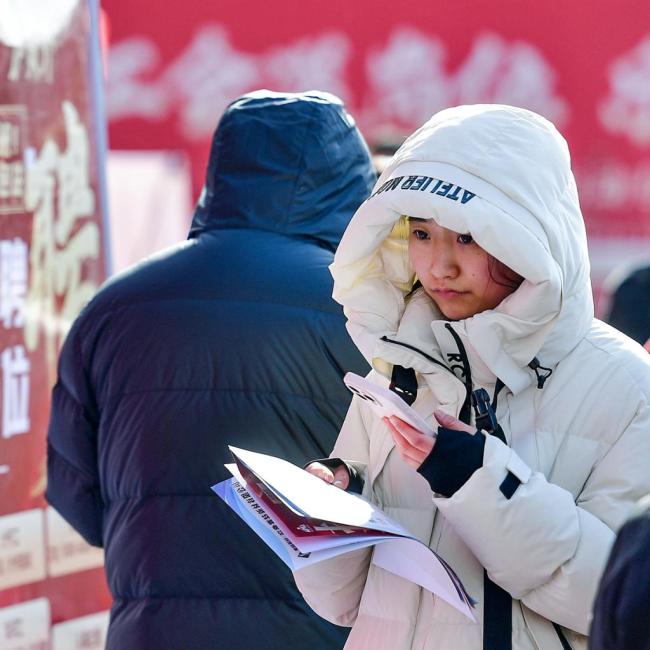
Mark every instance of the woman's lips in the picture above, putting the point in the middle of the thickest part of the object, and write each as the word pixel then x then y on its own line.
pixel 448 293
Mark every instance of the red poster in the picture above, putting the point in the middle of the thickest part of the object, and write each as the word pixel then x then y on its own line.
pixel 52 261
pixel 583 64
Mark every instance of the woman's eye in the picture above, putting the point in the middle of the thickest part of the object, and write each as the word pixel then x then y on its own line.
pixel 420 234
pixel 464 239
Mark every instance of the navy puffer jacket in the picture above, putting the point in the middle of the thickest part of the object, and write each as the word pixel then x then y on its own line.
pixel 228 338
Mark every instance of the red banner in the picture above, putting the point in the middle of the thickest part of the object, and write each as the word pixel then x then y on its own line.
pixel 51 263
pixel 585 65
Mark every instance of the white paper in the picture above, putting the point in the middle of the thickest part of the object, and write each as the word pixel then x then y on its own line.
pixel 25 626
pixel 314 497
pixel 280 540
pixel 22 548
pixel 395 549
pixel 84 633
pixel 411 559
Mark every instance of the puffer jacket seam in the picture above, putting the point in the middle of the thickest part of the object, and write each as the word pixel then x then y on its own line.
pixel 115 309
pixel 71 465
pixel 521 597
pixel 115 396
pixel 607 452
pixel 79 408
pixel 633 379
pixel 117 598
pixel 300 168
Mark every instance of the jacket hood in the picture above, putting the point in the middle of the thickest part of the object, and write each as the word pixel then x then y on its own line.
pixel 503 175
pixel 294 164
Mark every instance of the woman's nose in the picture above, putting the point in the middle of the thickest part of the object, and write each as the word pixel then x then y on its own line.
pixel 443 265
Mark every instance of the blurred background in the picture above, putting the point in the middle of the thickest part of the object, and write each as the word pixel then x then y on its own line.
pixel 106 115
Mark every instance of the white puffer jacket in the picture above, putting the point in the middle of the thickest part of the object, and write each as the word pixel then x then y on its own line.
pixel 580 445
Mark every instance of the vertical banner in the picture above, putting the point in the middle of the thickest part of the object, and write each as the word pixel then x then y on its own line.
pixel 52 260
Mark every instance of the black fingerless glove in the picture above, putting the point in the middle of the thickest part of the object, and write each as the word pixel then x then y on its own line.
pixel 454 458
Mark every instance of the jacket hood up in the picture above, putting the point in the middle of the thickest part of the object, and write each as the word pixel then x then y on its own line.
pixel 503 175
pixel 294 164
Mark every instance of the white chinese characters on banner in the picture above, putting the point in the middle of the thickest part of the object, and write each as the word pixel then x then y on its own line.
pixel 12 180
pixel 627 108
pixel 15 391
pixel 9 139
pixel 493 72
pixel 32 63
pixel 205 78
pixel 128 94
pixel 61 241
pixel 13 282
pixel 401 87
pixel 211 72
pixel 13 119
pixel 311 63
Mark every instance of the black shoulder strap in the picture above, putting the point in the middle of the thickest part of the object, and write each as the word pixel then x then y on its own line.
pixel 404 383
pixel 497 616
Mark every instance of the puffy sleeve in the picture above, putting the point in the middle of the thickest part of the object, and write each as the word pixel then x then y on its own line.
pixel 541 545
pixel 333 588
pixel 72 474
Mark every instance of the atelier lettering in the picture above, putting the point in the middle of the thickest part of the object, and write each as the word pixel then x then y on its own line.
pixel 427 183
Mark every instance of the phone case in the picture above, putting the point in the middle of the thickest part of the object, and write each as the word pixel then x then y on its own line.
pixel 386 403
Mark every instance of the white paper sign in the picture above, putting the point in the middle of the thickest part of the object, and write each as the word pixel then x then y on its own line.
pixel 85 633
pixel 67 551
pixel 22 548
pixel 26 626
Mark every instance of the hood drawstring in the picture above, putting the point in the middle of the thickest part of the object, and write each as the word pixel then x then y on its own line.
pixel 466 411
pixel 541 377
pixel 497 389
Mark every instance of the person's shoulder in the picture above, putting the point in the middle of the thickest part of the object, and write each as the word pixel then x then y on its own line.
pixel 606 351
pixel 141 282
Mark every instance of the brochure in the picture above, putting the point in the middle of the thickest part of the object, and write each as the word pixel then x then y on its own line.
pixel 305 520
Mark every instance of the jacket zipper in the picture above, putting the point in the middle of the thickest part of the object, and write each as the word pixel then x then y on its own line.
pixel 424 354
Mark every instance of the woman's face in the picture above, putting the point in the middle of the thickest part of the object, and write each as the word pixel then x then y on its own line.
pixel 454 270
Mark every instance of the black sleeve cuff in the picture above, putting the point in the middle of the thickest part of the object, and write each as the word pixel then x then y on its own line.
pixel 356 481
pixel 455 457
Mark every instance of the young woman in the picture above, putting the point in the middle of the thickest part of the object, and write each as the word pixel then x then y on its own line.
pixel 484 284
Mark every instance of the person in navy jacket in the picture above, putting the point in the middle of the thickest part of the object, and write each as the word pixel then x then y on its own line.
pixel 228 338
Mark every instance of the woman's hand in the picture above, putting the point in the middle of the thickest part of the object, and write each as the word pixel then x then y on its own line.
pixel 414 446
pixel 338 477
pixel 450 422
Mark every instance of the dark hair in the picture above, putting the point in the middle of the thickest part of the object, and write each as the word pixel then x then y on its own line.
pixel 629 308
pixel 503 275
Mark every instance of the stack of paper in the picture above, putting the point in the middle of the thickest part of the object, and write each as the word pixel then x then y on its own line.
pixel 305 520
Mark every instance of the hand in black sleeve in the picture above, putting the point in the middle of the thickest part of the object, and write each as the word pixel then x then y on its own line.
pixel 355 480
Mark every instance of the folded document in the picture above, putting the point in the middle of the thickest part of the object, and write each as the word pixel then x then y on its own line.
pixel 305 520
